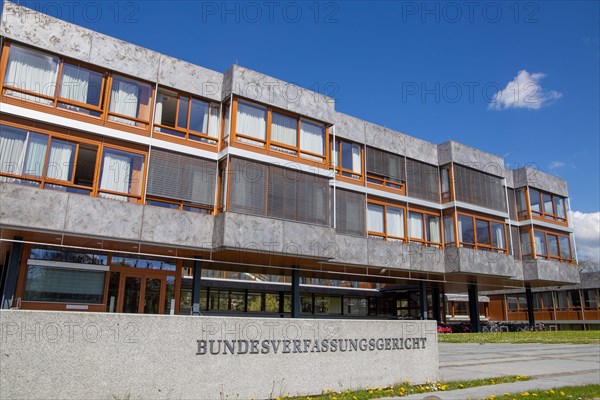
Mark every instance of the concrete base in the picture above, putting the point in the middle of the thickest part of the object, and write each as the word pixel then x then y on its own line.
pixel 69 355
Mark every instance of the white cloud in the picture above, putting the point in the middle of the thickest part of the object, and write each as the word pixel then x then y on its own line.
pixel 587 234
pixel 524 91
pixel 557 164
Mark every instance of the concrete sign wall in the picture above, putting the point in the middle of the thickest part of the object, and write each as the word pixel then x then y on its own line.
pixel 105 356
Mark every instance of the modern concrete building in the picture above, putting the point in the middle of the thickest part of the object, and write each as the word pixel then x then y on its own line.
pixel 134 182
pixel 570 307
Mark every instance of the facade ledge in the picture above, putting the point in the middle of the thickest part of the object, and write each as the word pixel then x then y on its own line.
pixel 547 271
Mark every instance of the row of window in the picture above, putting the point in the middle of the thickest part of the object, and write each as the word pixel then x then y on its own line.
pixel 68 85
pixel 546 244
pixel 563 300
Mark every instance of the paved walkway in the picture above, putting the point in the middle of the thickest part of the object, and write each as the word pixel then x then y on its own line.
pixel 551 365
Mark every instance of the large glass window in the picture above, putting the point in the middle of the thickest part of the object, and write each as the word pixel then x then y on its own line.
pixel 481 234
pixel 590 298
pixel 31 75
pixel 121 175
pixel 186 117
pixel 251 123
pixel 385 221
pixel 356 306
pixel 347 158
pixel 66 285
pixel 129 101
pixel 312 140
pixel 552 245
pixel 424 227
pixel 284 131
pixel 81 89
pixel 547 206
pixel 66 165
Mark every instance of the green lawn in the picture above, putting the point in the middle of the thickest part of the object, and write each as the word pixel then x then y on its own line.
pixel 567 392
pixel 574 337
pixel 405 389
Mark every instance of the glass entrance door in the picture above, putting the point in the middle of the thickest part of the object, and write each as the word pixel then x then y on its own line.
pixel 132 290
pixel 152 294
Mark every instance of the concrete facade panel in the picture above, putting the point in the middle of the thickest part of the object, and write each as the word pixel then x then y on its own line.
pixel 348 127
pixel 384 139
pixel 178 228
pixel 426 259
pixel 103 218
pixel 388 254
pixel 46 32
pixel 26 207
pixel 540 180
pixel 351 250
pixel 550 271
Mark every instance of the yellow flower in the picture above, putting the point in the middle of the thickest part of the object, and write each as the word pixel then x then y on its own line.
pixel 525 394
pixel 443 387
pixel 562 393
pixel 534 394
pixel 552 391
pixel 506 393
pixel 461 386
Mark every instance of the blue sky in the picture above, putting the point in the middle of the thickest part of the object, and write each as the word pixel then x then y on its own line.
pixel 428 69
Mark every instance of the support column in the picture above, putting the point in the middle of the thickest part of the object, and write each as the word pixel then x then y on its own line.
pixel 295 292
pixel 474 307
pixel 12 271
pixel 530 313
pixel 197 277
pixel 423 299
pixel 435 304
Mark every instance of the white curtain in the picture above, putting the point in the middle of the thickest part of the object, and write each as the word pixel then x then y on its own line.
pixel 395 221
pixel 460 231
pixel 33 71
pixel 74 83
pixel 116 173
pixel 356 161
pixel 213 122
pixel 251 120
pixel 12 150
pixel 312 137
pixel 36 154
pixel 434 229
pixel 60 160
pixel 375 218
pixel 560 207
pixel 284 129
pixel 124 100
pixel 335 161
pixel 415 226
pixel 498 235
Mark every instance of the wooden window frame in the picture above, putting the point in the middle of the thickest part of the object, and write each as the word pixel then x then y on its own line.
pixel 336 165
pixel 547 256
pixel 264 146
pixel 450 191
pixel 424 241
pixel 542 215
pixel 481 246
pixel 104 95
pixel 385 235
pixel 187 132
pixel 382 182
pixel 77 140
pixel 179 203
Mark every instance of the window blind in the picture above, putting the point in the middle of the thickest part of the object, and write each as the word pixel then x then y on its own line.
pixel 385 164
pixel 350 213
pixel 479 188
pixel 181 177
pixel 422 180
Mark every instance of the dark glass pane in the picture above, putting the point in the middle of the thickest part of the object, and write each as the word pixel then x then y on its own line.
pixel 182 115
pixel 199 116
pixel 465 229
pixel 131 295
pixel 64 285
pixel 152 296
pixel 170 295
pixel 483 233
pixel 113 292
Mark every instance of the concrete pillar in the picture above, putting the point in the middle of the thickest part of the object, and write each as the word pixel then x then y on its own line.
pixel 423 299
pixel 197 277
pixel 12 271
pixel 530 313
pixel 474 307
pixel 435 304
pixel 295 292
